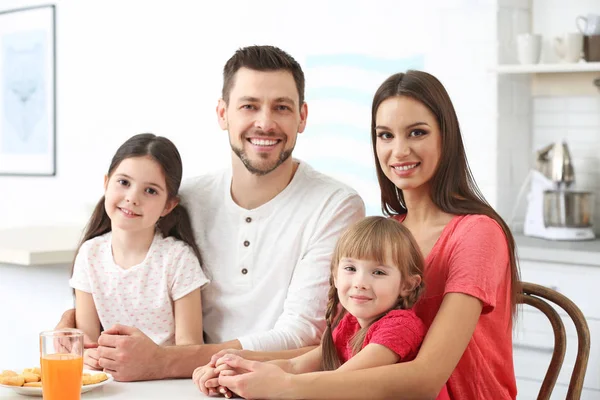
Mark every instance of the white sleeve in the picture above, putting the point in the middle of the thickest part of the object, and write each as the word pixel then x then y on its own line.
pixel 303 319
pixel 80 279
pixel 186 275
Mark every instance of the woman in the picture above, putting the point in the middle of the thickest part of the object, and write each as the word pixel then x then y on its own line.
pixel 471 274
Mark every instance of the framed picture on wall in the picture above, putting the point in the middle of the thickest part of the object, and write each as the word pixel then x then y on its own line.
pixel 28 91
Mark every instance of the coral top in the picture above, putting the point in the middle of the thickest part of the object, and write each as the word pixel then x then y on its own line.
pixel 471 257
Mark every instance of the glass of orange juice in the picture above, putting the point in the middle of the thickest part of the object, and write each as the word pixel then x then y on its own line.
pixel 61 357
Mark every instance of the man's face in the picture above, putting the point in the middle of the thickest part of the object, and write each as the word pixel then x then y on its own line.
pixel 263 118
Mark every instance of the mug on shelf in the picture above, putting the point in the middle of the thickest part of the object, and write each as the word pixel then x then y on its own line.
pixel 529 48
pixel 569 47
pixel 591 48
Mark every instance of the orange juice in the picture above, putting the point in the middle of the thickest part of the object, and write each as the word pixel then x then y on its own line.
pixel 61 376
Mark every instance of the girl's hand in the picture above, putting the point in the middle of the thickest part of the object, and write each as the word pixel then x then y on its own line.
pixel 90 359
pixel 201 375
pixel 205 378
pixel 253 379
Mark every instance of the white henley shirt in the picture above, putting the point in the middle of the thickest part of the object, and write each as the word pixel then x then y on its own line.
pixel 269 267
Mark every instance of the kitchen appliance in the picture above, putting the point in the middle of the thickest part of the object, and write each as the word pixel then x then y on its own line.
pixel 554 210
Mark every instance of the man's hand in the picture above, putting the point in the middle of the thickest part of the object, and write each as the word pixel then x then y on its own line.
pixel 129 355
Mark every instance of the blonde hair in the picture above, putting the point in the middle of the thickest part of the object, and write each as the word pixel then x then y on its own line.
pixel 378 239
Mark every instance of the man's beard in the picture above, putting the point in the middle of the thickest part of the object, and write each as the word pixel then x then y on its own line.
pixel 255 169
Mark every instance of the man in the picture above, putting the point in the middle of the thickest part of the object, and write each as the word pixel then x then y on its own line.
pixel 266 230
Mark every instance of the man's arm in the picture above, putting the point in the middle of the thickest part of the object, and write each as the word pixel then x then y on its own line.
pixel 129 355
pixel 303 319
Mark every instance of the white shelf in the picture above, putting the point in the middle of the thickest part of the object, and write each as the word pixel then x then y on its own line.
pixel 547 68
pixel 39 245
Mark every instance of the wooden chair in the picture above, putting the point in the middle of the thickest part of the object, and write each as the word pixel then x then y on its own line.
pixel 535 296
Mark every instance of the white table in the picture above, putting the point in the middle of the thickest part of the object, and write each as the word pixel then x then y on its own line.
pixel 180 389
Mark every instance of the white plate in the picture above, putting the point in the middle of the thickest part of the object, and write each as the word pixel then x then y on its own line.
pixel 37 391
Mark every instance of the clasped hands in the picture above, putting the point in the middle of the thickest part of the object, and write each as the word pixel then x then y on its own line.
pixel 207 376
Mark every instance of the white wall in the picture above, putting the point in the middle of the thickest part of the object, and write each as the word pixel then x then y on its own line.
pixel 134 66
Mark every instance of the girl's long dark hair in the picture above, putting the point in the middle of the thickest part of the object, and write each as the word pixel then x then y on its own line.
pixel 453 188
pixel 372 238
pixel 163 151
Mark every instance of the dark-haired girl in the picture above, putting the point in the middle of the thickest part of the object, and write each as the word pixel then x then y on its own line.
pixel 138 263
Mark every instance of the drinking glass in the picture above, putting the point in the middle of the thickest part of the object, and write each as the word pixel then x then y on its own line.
pixel 61 358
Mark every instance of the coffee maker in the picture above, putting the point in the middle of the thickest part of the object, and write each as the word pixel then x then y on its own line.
pixel 554 210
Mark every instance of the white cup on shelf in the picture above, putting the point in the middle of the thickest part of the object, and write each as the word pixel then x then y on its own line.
pixel 569 47
pixel 529 48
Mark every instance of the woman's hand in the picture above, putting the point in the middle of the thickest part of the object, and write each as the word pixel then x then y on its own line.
pixel 252 379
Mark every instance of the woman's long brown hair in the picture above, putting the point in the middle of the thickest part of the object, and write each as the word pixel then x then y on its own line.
pixel 453 188
pixel 163 151
pixel 378 239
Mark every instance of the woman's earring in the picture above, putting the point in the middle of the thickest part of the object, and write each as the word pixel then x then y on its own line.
pixel 398 197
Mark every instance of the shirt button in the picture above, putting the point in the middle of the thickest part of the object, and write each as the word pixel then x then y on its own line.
pixel 244 271
pixel 248 219
pixel 246 243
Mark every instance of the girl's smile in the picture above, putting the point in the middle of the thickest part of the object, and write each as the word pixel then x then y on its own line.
pixel 128 213
pixel 361 299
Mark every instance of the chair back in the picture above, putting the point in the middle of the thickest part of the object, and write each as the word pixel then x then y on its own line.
pixel 537 296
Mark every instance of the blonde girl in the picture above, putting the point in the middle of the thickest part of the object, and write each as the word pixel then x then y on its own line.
pixel 376 278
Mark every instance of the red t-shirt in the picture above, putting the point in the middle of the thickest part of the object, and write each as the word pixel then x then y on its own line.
pixel 399 330
pixel 471 257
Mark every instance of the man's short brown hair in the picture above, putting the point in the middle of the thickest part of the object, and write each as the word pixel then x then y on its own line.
pixel 261 58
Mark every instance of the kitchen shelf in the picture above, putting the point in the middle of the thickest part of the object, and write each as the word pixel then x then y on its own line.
pixel 41 245
pixel 547 68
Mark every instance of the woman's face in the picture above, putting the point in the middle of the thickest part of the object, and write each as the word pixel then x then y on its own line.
pixel 408 142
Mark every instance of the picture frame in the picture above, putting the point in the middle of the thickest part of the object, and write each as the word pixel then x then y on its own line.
pixel 28 91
